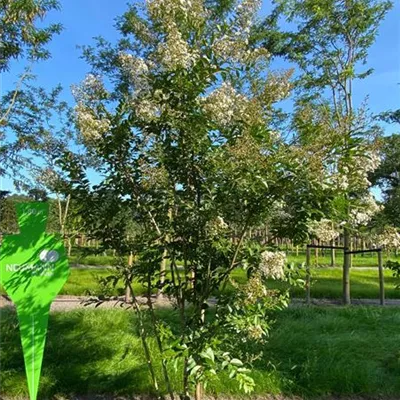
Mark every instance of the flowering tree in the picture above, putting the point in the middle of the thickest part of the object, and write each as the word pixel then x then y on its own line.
pixel 387 177
pixel 389 238
pixel 179 117
pixel 330 45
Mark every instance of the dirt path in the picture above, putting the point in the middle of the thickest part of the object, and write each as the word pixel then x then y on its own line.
pixel 67 303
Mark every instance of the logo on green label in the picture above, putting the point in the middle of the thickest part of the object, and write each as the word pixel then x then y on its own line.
pixel 33 269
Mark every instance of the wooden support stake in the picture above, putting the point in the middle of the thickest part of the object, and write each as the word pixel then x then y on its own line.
pixel 128 293
pixel 308 277
pixel 381 280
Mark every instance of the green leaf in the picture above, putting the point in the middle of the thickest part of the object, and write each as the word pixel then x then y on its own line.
pixel 236 362
pixel 208 354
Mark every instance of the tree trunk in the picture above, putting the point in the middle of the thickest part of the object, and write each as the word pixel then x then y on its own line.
pixel 333 254
pixel 163 268
pixel 69 247
pixel 128 294
pixel 381 279
pixel 199 386
pixel 308 276
pixel 346 268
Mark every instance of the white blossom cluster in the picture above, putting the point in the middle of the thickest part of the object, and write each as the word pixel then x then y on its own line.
pixel 364 211
pixel 169 11
pixel 225 105
pixel 246 11
pixel 91 88
pixel 255 332
pixel 217 226
pixel 279 211
pixel 354 174
pixel 323 230
pixel 278 87
pixel 273 264
pixel 237 50
pixel 89 93
pixel 340 179
pixel 363 166
pixel 234 45
pixel 254 290
pixel 175 52
pixel 137 70
pixel 275 135
pixel 91 126
pixel 389 238
pixel 228 48
pixel 147 110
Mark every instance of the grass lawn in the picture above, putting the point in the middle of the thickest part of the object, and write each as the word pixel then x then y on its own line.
pixel 358 260
pixel 314 351
pixel 326 283
pixel 366 260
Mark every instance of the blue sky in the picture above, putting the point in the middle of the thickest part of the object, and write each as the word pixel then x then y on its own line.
pixel 85 19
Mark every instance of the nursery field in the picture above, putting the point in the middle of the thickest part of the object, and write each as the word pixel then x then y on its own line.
pixel 326 283
pixel 86 256
pixel 311 352
pixel 326 280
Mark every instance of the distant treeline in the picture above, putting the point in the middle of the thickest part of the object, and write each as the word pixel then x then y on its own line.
pixel 8 214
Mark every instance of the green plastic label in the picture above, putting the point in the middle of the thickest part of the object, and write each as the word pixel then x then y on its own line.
pixel 33 269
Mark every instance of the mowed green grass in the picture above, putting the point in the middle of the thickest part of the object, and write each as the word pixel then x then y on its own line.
pixel 311 352
pixel 325 283
pixel 358 260
pixel 324 258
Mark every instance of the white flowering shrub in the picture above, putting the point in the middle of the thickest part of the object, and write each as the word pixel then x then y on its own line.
pixel 184 132
pixel 323 230
pixel 136 69
pixel 92 126
pixel 225 105
pixel 272 264
pixel 363 210
pixel 217 227
pixel 388 239
pixel 167 45
pixel 353 173
pixel 92 120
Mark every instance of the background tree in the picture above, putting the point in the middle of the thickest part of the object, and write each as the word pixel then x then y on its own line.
pixel 23 38
pixel 40 128
pixel 387 176
pixel 330 44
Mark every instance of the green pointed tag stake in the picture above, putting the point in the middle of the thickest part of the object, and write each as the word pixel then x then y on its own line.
pixel 33 269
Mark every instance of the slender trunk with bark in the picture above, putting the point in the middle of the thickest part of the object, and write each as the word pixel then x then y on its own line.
pixel 128 293
pixel 346 268
pixel 333 254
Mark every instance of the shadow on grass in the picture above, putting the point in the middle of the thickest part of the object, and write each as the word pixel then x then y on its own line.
pixel 84 354
pixel 311 351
